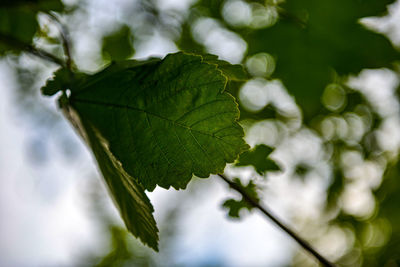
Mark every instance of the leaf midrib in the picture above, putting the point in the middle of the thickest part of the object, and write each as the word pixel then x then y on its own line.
pixel 100 103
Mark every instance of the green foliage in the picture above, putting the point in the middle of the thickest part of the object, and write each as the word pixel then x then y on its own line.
pixel 158 122
pixel 120 251
pixel 118 45
pixel 18 22
pixel 314 39
pixel 62 79
pixel 164 120
pixel 152 123
pixel 232 72
pixel 235 206
pixel 258 158
pixel 129 196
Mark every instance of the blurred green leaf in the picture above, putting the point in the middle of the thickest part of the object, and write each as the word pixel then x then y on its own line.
pixel 18 22
pixel 314 39
pixel 120 253
pixel 61 80
pixel 34 5
pixel 118 45
pixel 235 206
pixel 258 158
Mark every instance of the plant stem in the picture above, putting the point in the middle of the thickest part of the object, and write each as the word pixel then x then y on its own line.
pixel 274 218
pixel 11 41
pixel 64 33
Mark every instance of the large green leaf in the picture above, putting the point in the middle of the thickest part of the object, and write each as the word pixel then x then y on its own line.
pixel 164 120
pixel 149 123
pixel 317 38
pixel 129 196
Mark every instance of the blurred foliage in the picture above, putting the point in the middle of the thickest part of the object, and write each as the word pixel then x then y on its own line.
pixel 313 47
pixel 235 206
pixel 118 45
pixel 258 158
pixel 18 21
pixel 312 41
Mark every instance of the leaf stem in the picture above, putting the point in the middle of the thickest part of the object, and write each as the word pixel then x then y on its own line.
pixel 30 49
pixel 64 34
pixel 277 221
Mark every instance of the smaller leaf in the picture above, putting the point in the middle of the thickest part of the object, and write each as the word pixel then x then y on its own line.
pixel 60 81
pixel 235 206
pixel 258 158
pixel 118 45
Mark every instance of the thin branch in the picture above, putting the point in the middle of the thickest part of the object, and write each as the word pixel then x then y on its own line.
pixel 272 217
pixel 64 33
pixel 44 55
pixel 13 42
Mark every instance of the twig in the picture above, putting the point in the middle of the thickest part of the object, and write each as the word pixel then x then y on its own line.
pixel 64 33
pixel 271 216
pixel 13 42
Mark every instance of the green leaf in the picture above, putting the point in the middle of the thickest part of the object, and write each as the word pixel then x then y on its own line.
pixel 233 72
pixel 258 158
pixel 34 5
pixel 118 45
pixel 119 253
pixel 328 40
pixel 18 22
pixel 235 206
pixel 164 120
pixel 129 196
pixel 61 80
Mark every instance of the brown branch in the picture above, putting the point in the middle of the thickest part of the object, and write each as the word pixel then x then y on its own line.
pixel 277 221
pixel 15 43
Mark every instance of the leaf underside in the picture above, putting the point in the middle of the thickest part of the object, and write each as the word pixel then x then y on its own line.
pixel 154 122
pixel 129 196
pixel 164 120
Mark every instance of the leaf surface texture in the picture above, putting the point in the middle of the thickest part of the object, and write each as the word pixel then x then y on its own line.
pixel 129 196
pixel 164 120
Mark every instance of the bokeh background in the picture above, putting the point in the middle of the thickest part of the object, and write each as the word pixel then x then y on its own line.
pixel 323 92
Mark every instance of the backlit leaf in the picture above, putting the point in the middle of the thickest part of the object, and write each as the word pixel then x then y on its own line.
pixel 164 120
pixel 235 206
pixel 258 158
pixel 129 196
pixel 118 45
